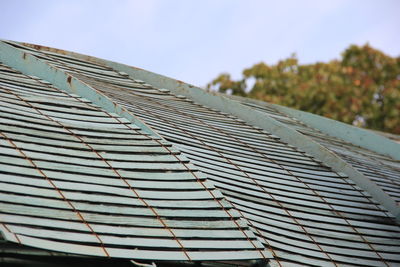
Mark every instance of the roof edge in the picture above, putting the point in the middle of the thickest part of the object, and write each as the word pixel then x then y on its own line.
pixel 256 118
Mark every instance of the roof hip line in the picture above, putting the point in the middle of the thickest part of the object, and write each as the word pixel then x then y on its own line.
pixel 16 58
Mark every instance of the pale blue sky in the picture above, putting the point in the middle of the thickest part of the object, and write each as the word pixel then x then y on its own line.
pixel 194 41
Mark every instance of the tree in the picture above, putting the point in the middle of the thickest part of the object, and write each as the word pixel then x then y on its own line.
pixel 362 88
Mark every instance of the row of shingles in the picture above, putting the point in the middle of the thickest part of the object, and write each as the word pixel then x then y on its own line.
pixel 384 171
pixel 157 122
pixel 160 195
pixel 12 254
pixel 239 224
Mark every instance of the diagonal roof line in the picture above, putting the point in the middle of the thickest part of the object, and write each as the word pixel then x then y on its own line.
pixel 251 116
pixel 255 118
pixel 18 59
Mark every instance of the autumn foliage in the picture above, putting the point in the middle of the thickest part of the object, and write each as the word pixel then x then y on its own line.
pixel 362 88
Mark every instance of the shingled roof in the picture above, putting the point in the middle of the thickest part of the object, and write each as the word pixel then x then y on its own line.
pixel 101 160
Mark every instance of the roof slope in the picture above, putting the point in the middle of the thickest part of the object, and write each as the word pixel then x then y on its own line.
pixel 381 169
pixel 75 178
pixel 302 210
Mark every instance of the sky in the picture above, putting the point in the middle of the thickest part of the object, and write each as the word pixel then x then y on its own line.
pixel 194 41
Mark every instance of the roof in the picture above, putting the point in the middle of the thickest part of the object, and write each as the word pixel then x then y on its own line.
pixel 379 168
pixel 108 160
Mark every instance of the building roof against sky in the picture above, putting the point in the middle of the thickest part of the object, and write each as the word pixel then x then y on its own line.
pixel 195 40
pixel 102 159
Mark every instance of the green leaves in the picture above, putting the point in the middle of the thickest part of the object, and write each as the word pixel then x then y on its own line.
pixel 363 86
